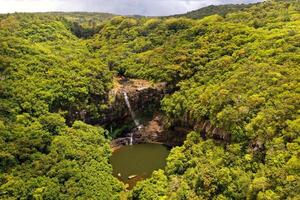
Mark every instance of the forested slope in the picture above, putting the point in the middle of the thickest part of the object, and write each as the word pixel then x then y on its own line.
pixel 221 10
pixel 238 72
pixel 47 76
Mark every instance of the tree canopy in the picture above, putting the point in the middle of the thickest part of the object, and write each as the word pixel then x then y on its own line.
pixel 238 72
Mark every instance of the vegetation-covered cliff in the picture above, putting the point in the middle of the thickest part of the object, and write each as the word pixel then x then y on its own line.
pixel 239 72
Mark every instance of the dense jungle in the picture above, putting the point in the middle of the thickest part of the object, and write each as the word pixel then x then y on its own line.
pixel 218 87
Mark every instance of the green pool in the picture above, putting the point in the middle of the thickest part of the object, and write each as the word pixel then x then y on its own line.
pixel 137 162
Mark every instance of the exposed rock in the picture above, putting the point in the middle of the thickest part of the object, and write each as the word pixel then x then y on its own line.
pixel 118 143
pixel 208 130
pixel 142 94
pixel 153 132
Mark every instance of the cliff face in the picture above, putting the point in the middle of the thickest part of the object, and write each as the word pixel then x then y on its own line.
pixel 142 95
pixel 153 131
pixel 207 130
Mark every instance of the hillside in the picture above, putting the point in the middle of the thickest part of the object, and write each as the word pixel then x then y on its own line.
pixel 84 24
pixel 221 10
pixel 233 82
pixel 48 76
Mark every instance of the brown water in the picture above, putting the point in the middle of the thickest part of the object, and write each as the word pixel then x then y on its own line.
pixel 139 161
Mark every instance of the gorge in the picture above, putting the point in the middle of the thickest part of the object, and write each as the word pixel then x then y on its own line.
pixel 135 160
pixel 203 105
pixel 144 146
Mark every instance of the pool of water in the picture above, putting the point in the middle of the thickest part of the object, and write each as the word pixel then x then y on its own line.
pixel 137 162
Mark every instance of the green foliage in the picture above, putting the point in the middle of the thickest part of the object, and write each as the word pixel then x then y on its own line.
pixel 48 164
pixel 49 77
pixel 46 68
pixel 221 10
pixel 239 71
pixel 153 188
pixel 207 170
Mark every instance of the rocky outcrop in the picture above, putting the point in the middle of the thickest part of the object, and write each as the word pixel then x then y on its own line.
pixel 153 132
pixel 142 96
pixel 207 130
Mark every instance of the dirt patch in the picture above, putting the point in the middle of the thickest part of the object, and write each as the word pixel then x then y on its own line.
pixel 122 83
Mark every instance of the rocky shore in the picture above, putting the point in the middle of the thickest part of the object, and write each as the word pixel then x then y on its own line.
pixel 153 131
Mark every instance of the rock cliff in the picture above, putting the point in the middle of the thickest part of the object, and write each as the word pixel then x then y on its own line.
pixel 142 95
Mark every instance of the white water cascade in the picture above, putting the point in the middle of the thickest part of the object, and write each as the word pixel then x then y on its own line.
pixel 136 122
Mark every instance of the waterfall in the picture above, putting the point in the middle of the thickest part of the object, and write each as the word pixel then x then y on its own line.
pixel 136 122
pixel 131 138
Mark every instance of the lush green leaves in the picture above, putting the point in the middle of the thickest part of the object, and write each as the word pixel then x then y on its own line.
pixel 239 72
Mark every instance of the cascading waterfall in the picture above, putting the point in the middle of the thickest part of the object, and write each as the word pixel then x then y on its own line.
pixel 136 122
